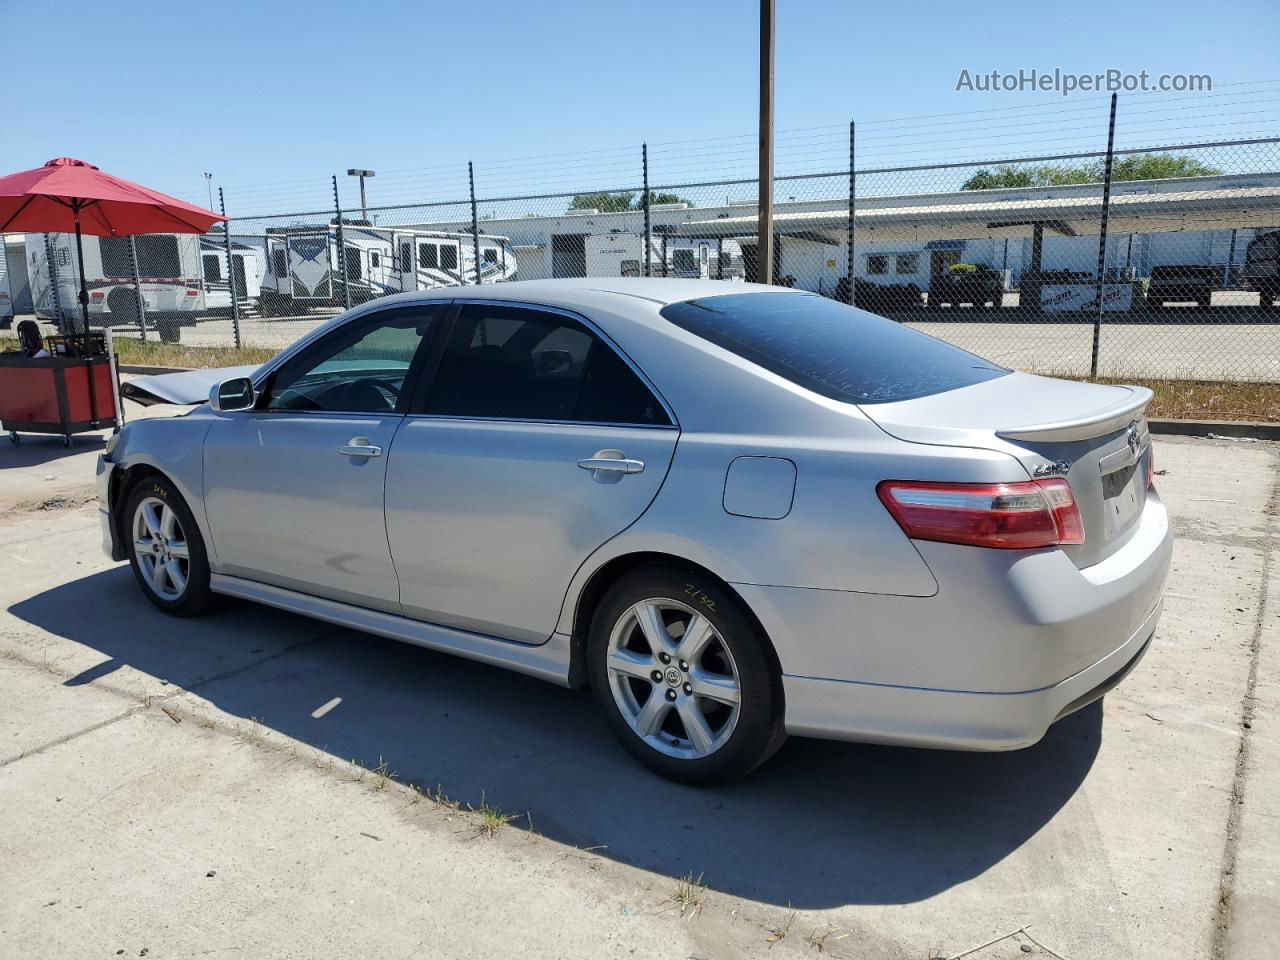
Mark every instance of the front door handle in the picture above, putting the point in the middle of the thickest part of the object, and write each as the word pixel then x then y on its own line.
pixel 610 466
pixel 360 447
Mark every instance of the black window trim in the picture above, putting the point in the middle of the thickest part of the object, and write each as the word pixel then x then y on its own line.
pixel 422 390
pixel 414 376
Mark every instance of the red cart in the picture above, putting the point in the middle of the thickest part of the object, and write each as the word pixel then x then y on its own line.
pixel 58 395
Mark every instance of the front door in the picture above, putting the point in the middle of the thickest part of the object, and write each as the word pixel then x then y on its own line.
pixel 294 487
pixel 536 443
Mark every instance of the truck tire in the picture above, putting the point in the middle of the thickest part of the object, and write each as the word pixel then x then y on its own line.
pixel 123 307
pixel 168 330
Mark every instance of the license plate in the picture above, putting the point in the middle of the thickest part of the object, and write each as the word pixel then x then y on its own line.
pixel 1122 499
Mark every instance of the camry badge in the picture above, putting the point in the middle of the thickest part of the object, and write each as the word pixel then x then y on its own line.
pixel 1058 468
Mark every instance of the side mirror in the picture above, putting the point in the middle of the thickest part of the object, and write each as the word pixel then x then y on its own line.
pixel 229 395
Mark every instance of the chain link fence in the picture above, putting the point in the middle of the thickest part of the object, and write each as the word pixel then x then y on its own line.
pixel 1004 257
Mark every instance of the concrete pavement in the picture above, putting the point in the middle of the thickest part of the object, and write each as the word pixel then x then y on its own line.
pixel 297 763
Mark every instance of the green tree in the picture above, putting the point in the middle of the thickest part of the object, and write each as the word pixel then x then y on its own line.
pixel 1144 166
pixel 604 202
pixel 661 198
pixel 1157 166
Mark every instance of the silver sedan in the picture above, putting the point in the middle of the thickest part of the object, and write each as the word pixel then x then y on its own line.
pixel 734 511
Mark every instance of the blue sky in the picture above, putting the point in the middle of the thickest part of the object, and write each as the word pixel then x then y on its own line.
pixel 273 97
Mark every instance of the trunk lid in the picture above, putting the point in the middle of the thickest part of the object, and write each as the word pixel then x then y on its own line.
pixel 1095 436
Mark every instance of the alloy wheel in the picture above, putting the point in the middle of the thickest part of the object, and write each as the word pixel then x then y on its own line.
pixel 673 678
pixel 160 546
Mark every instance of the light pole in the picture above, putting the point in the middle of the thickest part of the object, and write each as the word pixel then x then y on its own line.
pixel 354 172
pixel 208 182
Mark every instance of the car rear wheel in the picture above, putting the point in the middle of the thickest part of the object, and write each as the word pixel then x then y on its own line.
pixel 165 548
pixel 683 677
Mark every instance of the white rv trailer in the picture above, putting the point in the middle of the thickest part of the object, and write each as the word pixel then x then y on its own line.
pixel 6 296
pixel 249 263
pixel 619 254
pixel 301 263
pixel 171 270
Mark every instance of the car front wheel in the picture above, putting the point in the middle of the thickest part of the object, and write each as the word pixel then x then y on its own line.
pixel 684 678
pixel 166 550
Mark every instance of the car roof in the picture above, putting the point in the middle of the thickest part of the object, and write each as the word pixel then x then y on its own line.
pixel 584 292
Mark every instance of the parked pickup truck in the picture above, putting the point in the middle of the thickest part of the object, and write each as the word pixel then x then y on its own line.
pixel 1262 267
pixel 967 283
pixel 1183 283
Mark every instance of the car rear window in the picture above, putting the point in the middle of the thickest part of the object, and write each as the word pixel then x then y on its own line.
pixel 830 348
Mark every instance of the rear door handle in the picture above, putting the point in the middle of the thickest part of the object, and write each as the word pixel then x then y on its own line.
pixel 610 466
pixel 360 447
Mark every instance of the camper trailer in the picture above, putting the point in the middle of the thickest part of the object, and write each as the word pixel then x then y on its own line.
pixel 249 264
pixel 170 272
pixel 301 264
pixel 6 296
pixel 621 254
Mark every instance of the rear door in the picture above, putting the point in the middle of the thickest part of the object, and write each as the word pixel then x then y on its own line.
pixel 491 506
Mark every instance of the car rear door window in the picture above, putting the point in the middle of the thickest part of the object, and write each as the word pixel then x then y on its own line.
pixel 520 363
pixel 830 348
pixel 362 367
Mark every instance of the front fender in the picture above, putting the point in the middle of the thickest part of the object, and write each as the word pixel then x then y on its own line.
pixel 173 446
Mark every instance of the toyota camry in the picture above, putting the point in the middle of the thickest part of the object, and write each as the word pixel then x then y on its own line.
pixel 734 512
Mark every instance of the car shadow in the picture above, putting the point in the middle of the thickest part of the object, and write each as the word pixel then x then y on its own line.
pixel 822 824
pixel 34 449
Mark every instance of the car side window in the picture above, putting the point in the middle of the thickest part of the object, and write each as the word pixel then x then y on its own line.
pixel 360 368
pixel 520 363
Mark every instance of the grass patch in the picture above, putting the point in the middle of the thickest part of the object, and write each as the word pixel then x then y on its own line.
pixel 152 354
pixel 1175 399
pixel 779 933
pixel 688 895
pixel 156 354
pixel 1209 399
pixel 490 819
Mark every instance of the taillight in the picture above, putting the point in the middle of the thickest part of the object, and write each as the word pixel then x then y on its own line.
pixel 1011 516
pixel 97 295
pixel 193 293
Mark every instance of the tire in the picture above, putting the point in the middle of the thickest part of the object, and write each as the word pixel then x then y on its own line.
pixel 732 662
pixel 172 530
pixel 169 331
pixel 123 307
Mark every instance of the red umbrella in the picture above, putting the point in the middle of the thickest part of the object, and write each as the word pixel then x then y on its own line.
pixel 66 195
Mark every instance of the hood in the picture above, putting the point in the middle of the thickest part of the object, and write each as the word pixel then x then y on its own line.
pixel 187 387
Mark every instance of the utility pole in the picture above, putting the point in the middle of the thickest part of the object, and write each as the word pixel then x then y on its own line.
pixel 764 245
pixel 364 204
pixel 1102 238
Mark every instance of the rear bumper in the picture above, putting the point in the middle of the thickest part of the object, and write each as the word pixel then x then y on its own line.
pixel 953 720
pixel 1011 641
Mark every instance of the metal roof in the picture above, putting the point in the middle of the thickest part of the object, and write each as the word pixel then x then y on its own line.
pixel 1070 211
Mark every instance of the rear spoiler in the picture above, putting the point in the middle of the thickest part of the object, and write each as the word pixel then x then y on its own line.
pixel 187 387
pixel 1106 420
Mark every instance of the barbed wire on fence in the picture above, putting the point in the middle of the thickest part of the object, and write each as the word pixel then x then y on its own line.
pixel 999 252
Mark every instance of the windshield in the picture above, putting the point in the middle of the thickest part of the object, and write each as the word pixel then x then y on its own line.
pixel 830 348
